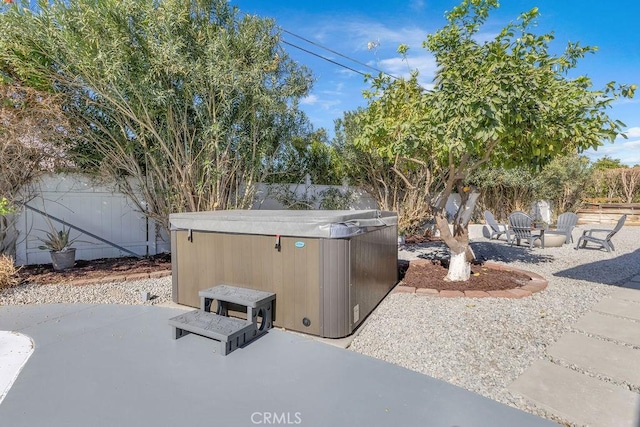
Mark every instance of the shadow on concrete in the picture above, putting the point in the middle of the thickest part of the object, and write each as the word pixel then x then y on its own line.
pixel 616 270
pixel 503 252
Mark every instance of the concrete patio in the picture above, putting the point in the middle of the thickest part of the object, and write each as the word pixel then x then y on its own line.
pixel 595 366
pixel 106 365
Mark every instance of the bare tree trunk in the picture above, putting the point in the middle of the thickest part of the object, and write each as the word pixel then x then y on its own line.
pixel 459 268
pixel 629 179
pixel 458 243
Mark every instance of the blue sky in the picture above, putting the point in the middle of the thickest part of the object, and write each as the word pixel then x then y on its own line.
pixel 349 27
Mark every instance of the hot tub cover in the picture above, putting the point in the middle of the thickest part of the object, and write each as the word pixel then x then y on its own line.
pixel 321 224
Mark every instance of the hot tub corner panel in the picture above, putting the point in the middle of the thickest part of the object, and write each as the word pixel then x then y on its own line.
pixel 335 273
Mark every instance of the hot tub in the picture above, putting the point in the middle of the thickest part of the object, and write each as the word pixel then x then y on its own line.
pixel 328 269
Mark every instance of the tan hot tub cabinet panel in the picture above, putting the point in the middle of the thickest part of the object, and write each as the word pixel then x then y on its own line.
pixel 324 285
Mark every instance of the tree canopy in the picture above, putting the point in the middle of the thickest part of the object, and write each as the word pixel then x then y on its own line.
pixel 187 97
pixel 507 101
pixel 607 162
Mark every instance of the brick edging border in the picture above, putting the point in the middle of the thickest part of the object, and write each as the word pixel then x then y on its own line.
pixel 537 284
pixel 120 278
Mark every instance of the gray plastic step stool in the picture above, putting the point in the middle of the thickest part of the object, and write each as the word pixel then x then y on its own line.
pixel 258 303
pixel 231 333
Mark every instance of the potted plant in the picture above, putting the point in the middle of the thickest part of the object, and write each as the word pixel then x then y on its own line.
pixel 58 244
pixel 401 236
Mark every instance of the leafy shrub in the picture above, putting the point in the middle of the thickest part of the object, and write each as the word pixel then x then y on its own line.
pixel 5 206
pixel 563 182
pixel 335 199
pixel 56 240
pixel 503 191
pixel 293 200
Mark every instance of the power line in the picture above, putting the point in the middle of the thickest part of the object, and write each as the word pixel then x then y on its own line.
pixel 339 64
pixel 329 50
pixel 336 53
pixel 323 57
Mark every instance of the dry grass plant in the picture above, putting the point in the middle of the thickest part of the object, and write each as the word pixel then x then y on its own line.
pixel 8 272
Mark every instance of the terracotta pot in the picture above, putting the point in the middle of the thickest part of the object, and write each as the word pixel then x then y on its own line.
pixel 62 260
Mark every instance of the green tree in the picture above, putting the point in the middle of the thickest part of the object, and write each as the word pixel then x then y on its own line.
pixel 503 102
pixel 618 185
pixel 606 183
pixel 503 191
pixel 397 183
pixel 308 154
pixel 186 97
pixel 607 162
pixel 563 182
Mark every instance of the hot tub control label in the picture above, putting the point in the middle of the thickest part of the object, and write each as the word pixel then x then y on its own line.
pixel 299 244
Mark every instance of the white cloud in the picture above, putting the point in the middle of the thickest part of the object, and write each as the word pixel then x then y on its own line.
pixel 425 64
pixel 350 34
pixel 628 151
pixel 633 132
pixel 356 34
pixel 328 104
pixel 362 32
pixel 631 144
pixel 428 85
pixel 395 66
pixel 309 100
pixel 344 72
pixel 322 103
pixel 400 68
pixel 335 91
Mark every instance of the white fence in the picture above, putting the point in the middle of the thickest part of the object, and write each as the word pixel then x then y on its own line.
pixel 111 216
pixel 308 195
pixel 94 208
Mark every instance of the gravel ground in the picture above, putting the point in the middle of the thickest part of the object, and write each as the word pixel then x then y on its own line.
pixel 484 344
pixel 109 293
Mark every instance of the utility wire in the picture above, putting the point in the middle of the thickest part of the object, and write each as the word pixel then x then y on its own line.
pixel 332 51
pixel 339 64
pixel 323 57
pixel 329 50
pixel 336 53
